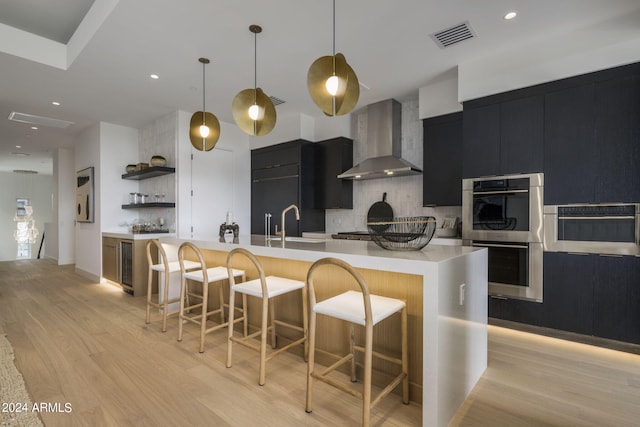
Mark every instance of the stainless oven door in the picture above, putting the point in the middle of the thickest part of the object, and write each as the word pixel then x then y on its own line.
pixel 506 208
pixel 515 269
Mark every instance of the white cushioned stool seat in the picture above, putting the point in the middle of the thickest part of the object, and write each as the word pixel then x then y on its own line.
pixel 214 274
pixel 174 266
pixel 349 306
pixel 275 286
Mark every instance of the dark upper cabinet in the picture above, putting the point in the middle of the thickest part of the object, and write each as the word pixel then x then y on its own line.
pixel 570 161
pixel 335 156
pixel 616 297
pixel 617 126
pixel 522 135
pixel 503 137
pixel 282 175
pixel 481 141
pixel 442 155
pixel 276 155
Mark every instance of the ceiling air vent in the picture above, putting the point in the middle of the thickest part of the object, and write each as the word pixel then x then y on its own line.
pixel 38 120
pixel 453 35
pixel 276 101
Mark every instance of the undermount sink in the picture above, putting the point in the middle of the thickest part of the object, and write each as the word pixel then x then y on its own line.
pixel 298 239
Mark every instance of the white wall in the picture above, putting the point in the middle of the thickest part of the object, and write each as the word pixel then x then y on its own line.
pixel 549 60
pixel 88 235
pixel 203 177
pixel 60 243
pixel 38 189
pixel 118 148
pixel 440 97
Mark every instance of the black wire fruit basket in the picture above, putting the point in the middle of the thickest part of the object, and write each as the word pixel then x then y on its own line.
pixel 402 234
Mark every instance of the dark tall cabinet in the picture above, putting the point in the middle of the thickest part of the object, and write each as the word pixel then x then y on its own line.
pixel 442 154
pixel 617 103
pixel 335 156
pixel 282 175
pixel 570 145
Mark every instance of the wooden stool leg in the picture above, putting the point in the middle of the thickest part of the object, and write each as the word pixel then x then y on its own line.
pixel 405 359
pixel 305 323
pixel 368 356
pixel 232 298
pixel 272 313
pixel 183 290
pixel 165 303
pixel 203 316
pixel 221 296
pixel 149 289
pixel 352 340
pixel 245 314
pixel 263 339
pixel 311 361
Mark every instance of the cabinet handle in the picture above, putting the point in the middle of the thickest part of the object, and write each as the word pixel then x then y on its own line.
pixel 498 297
pixel 610 255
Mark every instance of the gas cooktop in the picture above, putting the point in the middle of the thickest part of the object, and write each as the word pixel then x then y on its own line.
pixel 352 235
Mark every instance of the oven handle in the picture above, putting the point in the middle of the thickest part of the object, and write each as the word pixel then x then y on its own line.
pixel 571 218
pixel 498 245
pixel 482 193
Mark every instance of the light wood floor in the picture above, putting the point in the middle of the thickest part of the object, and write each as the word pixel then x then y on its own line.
pixel 86 344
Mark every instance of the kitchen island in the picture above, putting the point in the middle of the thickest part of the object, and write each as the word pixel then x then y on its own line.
pixel 446 292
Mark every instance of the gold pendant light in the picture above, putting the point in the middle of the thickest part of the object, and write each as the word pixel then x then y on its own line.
pixel 252 109
pixel 332 83
pixel 204 127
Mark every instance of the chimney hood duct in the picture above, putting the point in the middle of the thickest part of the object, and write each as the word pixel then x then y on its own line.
pixel 384 147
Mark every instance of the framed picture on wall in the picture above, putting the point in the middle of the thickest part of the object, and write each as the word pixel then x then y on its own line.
pixel 84 195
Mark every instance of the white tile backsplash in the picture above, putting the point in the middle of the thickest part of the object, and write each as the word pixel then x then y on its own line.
pixel 159 138
pixel 404 194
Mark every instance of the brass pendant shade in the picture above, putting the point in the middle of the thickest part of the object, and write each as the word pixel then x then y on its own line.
pixel 197 140
pixel 348 89
pixel 266 120
pixel 204 127
pixel 332 83
pixel 253 111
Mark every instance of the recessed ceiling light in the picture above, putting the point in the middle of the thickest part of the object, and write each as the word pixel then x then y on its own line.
pixel 18 146
pixel 56 103
pixel 510 15
pixel 154 76
pixel 34 127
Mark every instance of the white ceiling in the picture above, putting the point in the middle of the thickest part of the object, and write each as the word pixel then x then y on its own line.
pixel 106 64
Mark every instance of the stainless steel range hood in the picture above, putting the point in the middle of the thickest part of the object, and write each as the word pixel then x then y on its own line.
pixel 384 147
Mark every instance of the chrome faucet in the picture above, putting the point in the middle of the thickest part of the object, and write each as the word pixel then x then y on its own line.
pixel 284 211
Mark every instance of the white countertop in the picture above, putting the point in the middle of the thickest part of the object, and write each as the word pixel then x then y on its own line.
pixel 359 253
pixel 136 236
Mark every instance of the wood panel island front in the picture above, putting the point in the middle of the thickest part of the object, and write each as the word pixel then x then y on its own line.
pixel 445 288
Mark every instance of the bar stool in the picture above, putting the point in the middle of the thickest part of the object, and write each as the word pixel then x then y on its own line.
pixel 167 267
pixel 357 308
pixel 266 288
pixel 205 276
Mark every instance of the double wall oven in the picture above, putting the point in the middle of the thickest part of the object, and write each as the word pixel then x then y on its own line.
pixel 505 215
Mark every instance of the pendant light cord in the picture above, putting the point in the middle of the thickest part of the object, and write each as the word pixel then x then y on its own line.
pixel 334 27
pixel 203 96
